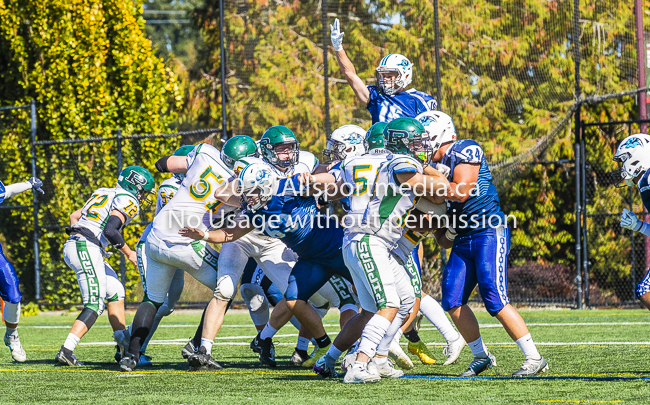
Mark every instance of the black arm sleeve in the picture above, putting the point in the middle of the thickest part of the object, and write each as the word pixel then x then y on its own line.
pixel 112 231
pixel 161 164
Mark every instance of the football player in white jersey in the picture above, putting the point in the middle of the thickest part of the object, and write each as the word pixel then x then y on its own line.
pixel 9 285
pixel 383 283
pixel 92 228
pixel 194 204
pixel 166 192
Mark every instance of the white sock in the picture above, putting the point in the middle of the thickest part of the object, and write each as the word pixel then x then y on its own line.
pixel 384 345
pixel 398 336
pixel 436 315
pixel 334 353
pixel 268 332
pixel 372 334
pixel 71 342
pixel 380 361
pixel 303 343
pixel 479 349
pixel 207 343
pixel 527 346
pixel 11 331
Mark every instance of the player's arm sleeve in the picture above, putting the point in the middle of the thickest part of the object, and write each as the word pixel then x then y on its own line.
pixel 17 188
pixel 112 231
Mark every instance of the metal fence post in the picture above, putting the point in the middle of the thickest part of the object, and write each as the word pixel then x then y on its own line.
pixel 436 28
pixel 37 259
pixel 119 169
pixel 222 38
pixel 631 196
pixel 583 206
pixel 578 211
pixel 326 73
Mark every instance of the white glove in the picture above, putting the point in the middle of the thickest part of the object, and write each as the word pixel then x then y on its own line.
pixel 443 169
pixel 630 221
pixel 336 35
pixel 451 233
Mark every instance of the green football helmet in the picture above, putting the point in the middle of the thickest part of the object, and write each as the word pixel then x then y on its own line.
pixel 238 147
pixel 137 181
pixel 374 140
pixel 276 136
pixel 407 136
pixel 182 151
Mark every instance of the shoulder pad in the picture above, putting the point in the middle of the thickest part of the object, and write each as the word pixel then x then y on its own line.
pixel 404 164
pixel 126 204
pixel 467 151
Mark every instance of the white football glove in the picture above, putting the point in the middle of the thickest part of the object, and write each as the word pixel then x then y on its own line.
pixel 630 221
pixel 443 169
pixel 336 35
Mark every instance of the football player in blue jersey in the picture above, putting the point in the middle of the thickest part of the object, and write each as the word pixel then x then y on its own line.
pixel 390 98
pixel 9 289
pixel 634 155
pixel 481 243
pixel 273 206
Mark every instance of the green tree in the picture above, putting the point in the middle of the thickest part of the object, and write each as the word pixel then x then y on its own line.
pixel 91 70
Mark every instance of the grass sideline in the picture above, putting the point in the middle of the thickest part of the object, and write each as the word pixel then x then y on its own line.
pixel 583 369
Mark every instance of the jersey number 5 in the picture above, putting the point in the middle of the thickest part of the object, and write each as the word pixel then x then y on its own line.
pixel 202 188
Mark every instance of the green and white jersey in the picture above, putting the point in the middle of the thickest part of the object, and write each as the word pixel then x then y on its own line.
pixel 391 203
pixel 194 204
pixel 359 173
pixel 98 208
pixel 166 192
pixel 307 163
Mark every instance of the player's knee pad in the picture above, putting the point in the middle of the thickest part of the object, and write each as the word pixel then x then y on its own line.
pixel 225 288
pixel 406 304
pixel 88 316
pixel 253 294
pixel 11 312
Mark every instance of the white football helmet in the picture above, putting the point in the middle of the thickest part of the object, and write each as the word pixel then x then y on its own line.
pixel 439 126
pixel 634 154
pixel 345 141
pixel 394 63
pixel 257 185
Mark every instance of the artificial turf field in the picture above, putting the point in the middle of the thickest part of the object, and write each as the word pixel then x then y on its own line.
pixel 595 356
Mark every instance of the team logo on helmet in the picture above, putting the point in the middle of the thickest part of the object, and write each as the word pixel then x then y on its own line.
pixel 262 175
pixel 354 139
pixel 136 178
pixel 404 63
pixel 631 143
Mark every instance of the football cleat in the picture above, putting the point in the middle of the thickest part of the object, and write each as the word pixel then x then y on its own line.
pixel 128 363
pixel 267 352
pixel 67 358
pixel 531 367
pixel 385 370
pixel 188 350
pixel 299 357
pixel 420 349
pixel 326 367
pixel 400 358
pixel 317 354
pixel 359 374
pixel 123 339
pixel 144 361
pixel 453 349
pixel 255 344
pixel 202 361
pixel 17 351
pixel 348 361
pixel 479 365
